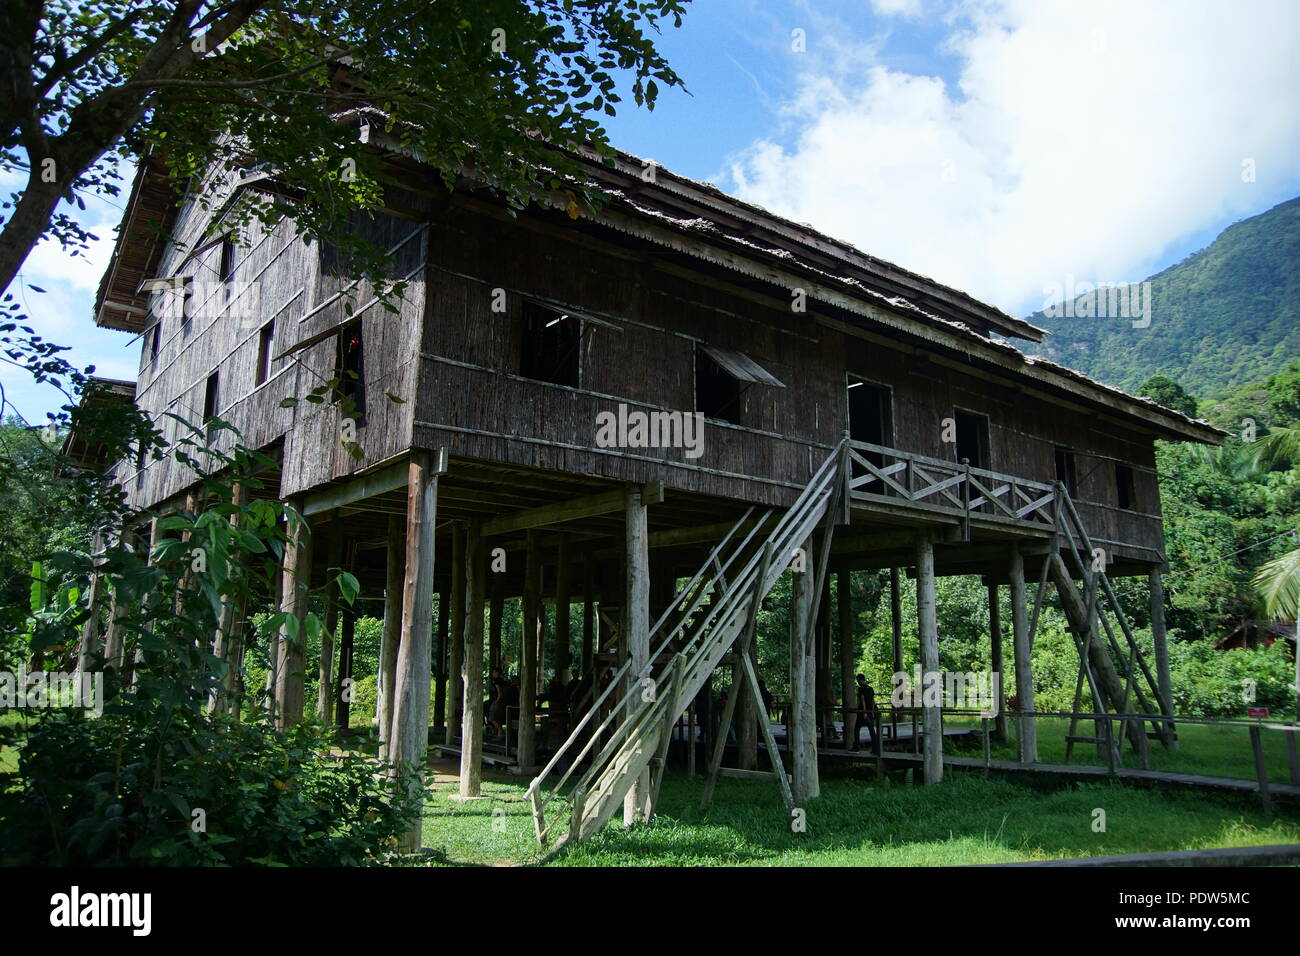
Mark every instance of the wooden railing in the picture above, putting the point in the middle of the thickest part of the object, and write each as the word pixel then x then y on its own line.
pixel 888 475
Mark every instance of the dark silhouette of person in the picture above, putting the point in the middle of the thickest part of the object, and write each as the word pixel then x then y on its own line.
pixel 866 712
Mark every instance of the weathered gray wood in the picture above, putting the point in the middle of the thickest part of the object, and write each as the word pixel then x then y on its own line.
pixel 229 644
pixel 390 640
pixel 995 662
pixel 1026 727
pixel 928 629
pixel 294 585
pixel 1160 643
pixel 386 479
pixel 563 588
pixel 588 614
pixel 496 603
pixel 440 665
pixel 414 655
pixel 636 625
pixel 528 664
pixel 1261 769
pixel 802 732
pixel 589 506
pixel 456 633
pixel 848 647
pixel 325 668
pixel 896 618
pixel 471 735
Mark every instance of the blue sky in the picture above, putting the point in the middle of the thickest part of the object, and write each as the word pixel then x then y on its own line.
pixel 1000 146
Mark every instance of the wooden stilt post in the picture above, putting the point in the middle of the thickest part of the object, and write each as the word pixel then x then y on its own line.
pixel 563 588
pixel 848 646
pixel 1160 642
pixel 1027 729
pixel 89 646
pixel 636 627
pixel 344 683
pixel 801 735
pixel 825 685
pixel 995 661
pixel 532 613
pixel 394 583
pixel 440 665
pixel 471 734
pixel 896 617
pixel 294 585
pixel 588 614
pixel 325 669
pixel 928 627
pixel 410 739
pixel 229 645
pixel 496 606
pixel 456 634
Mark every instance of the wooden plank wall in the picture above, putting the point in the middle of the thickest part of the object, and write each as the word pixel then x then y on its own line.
pixel 281 279
pixel 453 362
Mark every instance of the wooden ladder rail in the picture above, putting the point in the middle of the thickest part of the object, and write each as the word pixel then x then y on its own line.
pixel 717 623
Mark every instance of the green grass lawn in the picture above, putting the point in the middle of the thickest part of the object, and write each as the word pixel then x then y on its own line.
pixel 863 822
pixel 1211 750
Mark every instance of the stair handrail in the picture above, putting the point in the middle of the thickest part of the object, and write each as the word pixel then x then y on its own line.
pixel 724 606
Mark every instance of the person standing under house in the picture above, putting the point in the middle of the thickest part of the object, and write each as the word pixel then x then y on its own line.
pixel 866 712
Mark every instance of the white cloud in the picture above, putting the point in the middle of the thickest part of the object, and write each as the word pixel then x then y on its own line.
pixel 1081 140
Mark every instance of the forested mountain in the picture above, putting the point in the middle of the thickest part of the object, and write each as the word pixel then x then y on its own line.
pixel 1223 317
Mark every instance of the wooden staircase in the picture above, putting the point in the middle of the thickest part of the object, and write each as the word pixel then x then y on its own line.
pixel 716 608
pixel 1115 672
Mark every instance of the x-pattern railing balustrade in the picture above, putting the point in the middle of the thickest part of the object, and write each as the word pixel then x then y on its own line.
pixel 888 474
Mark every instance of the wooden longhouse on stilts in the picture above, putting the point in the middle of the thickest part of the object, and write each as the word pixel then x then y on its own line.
pixel 676 390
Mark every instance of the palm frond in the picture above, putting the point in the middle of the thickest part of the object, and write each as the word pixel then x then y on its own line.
pixel 1278 583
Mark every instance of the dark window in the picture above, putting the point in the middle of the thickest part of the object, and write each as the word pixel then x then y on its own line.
pixel 717 393
pixel 871 420
pixel 549 347
pixel 155 341
pixel 1065 472
pixel 265 349
pixel 1124 486
pixel 352 369
pixel 211 401
pixel 227 258
pixel 870 413
pixel 972 439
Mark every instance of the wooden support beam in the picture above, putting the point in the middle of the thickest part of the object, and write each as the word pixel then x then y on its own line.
pixel 471 734
pixel 1160 642
pixel 414 657
pixel 456 633
pixel 995 661
pixel 896 617
pixel 344 684
pixel 1027 727
pixel 440 665
pixel 848 655
pixel 229 644
pixel 390 639
pixel 563 589
pixel 801 734
pixel 636 626
pixel 588 613
pixel 294 584
pixel 497 602
pixel 928 629
pixel 325 669
pixel 382 481
pixel 532 614
pixel 589 506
